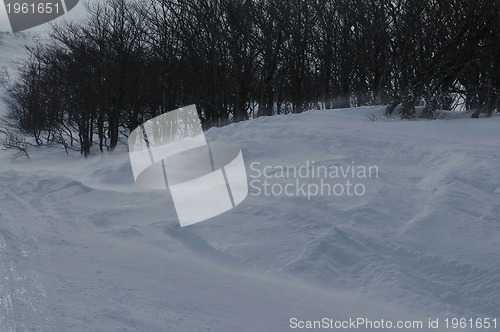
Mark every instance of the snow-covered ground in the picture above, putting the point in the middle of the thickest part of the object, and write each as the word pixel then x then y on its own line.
pixel 82 248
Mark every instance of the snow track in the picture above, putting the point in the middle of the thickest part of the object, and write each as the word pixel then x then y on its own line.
pixel 23 302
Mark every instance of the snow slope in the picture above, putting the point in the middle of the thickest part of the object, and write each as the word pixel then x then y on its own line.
pixel 82 248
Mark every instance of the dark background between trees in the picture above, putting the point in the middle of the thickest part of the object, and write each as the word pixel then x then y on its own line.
pixel 131 61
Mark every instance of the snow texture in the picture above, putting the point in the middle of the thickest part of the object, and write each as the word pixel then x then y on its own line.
pixel 82 248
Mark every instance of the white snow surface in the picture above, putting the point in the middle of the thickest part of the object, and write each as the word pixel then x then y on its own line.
pixel 82 248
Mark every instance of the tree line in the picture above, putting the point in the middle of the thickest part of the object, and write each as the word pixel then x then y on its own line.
pixel 130 61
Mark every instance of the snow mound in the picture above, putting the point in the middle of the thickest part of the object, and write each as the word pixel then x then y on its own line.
pixel 86 249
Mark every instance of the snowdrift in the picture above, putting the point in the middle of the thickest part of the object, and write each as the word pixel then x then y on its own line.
pixel 84 248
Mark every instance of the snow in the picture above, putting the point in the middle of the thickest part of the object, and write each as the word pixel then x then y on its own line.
pixel 82 248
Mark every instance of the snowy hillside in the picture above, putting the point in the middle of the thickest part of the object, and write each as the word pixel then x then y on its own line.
pixel 82 248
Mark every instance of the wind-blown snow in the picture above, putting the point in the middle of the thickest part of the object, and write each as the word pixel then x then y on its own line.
pixel 82 248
